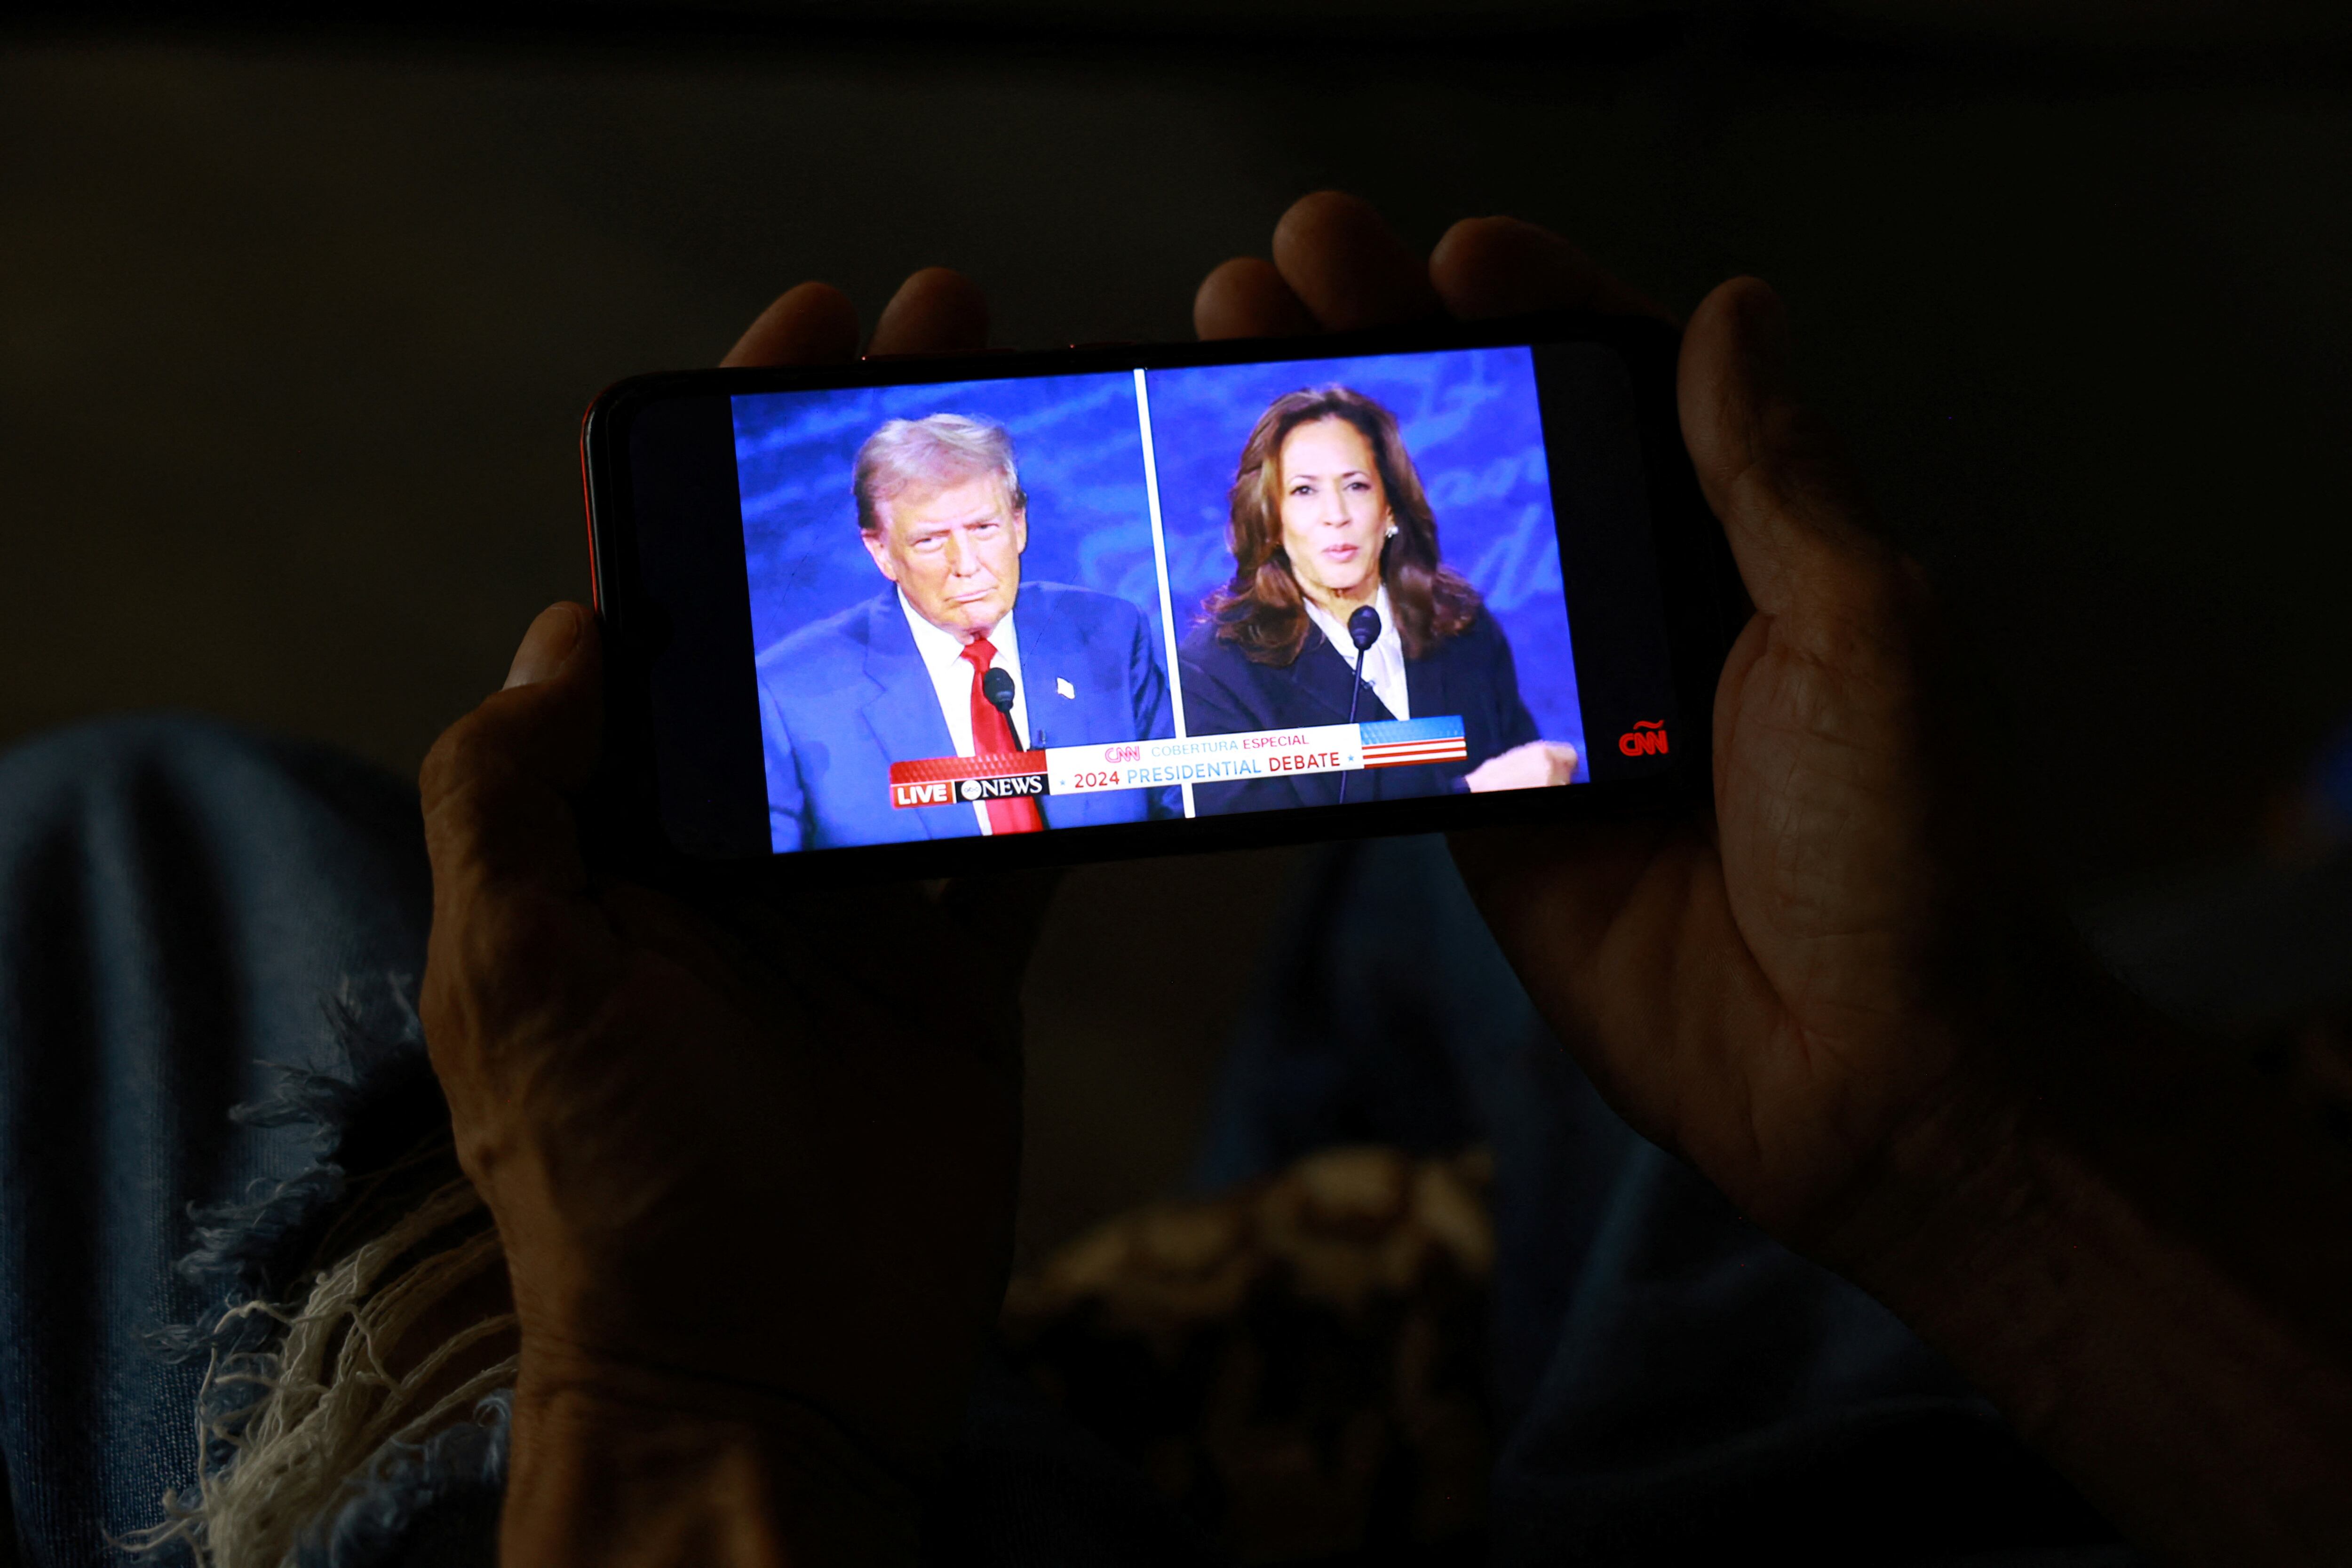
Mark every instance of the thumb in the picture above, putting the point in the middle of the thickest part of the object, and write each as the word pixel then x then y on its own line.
pixel 547 646
pixel 1771 468
pixel 497 786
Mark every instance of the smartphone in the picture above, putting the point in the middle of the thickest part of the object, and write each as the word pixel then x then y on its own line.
pixel 914 618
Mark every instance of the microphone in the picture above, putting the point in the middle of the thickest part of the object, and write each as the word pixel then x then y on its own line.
pixel 1363 630
pixel 996 685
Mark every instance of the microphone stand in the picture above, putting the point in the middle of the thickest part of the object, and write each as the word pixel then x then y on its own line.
pixel 1363 630
pixel 1355 695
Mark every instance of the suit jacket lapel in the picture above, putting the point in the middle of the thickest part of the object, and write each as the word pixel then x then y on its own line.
pixel 1424 683
pixel 904 714
pixel 1048 650
pixel 1325 677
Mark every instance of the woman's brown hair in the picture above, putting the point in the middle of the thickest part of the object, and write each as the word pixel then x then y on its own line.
pixel 1263 611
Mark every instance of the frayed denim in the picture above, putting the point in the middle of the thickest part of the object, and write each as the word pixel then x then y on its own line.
pixel 208 947
pixel 180 907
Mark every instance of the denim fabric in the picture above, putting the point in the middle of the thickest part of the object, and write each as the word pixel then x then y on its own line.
pixel 193 920
pixel 180 903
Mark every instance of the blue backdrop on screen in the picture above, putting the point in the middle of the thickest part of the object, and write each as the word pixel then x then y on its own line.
pixel 1076 438
pixel 1476 432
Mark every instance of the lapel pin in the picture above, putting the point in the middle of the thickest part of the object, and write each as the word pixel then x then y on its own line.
pixel 1063 688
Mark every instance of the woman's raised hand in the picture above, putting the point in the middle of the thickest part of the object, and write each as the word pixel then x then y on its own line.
pixel 1538 765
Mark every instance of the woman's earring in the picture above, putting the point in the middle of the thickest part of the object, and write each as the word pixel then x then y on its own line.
pixel 1391 533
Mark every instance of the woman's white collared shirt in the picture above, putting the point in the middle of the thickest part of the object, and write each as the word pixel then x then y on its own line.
pixel 1383 661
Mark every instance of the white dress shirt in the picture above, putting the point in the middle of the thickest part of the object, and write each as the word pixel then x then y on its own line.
pixel 1383 661
pixel 951 678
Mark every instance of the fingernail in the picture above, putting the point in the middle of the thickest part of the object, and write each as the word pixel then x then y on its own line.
pixel 547 648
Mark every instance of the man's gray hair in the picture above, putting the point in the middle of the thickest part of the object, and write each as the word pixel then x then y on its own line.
pixel 931 454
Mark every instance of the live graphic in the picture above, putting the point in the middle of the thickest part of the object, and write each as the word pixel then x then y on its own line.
pixel 947 792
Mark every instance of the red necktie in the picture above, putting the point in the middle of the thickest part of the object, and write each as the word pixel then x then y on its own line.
pixel 992 734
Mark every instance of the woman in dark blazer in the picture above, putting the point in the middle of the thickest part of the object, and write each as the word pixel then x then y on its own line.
pixel 1328 517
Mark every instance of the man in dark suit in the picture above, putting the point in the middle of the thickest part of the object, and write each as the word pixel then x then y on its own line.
pixel 900 677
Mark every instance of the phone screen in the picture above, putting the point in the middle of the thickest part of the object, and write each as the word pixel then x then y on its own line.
pixel 1160 595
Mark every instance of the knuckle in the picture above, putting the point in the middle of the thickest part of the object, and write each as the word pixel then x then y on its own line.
pixel 462 754
pixel 482 832
pixel 457 820
pixel 504 970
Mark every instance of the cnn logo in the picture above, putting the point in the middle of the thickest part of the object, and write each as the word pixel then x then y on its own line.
pixel 1646 738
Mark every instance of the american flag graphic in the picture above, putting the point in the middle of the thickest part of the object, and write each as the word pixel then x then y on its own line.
pixel 1395 742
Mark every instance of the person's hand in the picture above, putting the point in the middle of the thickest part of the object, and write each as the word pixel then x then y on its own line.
pixel 1836 995
pixel 753 1168
pixel 1773 990
pixel 1538 764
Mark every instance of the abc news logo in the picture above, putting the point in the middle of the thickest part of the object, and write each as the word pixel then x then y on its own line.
pixel 944 791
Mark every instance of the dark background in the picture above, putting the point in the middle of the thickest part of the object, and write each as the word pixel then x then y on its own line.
pixel 296 321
